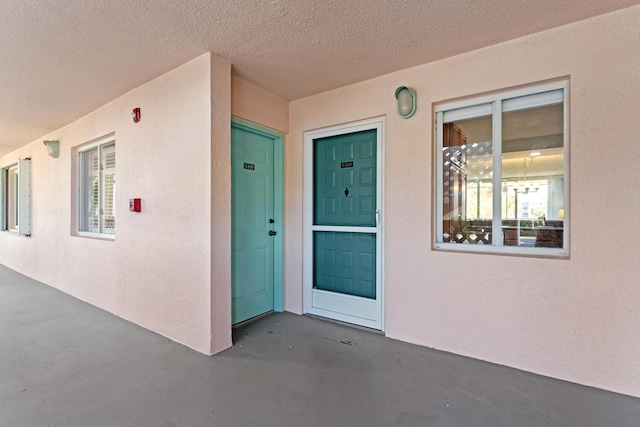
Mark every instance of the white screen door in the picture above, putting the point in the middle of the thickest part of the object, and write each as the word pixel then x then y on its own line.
pixel 343 227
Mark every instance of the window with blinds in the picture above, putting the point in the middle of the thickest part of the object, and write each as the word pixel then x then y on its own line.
pixel 15 198
pixel 97 189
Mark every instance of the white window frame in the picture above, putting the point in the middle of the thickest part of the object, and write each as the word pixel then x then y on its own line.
pixel 495 105
pixel 21 196
pixel 82 219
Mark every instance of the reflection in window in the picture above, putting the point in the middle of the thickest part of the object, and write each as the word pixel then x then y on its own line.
pixel 513 197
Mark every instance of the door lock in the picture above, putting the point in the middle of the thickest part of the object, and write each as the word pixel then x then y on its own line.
pixel 272 233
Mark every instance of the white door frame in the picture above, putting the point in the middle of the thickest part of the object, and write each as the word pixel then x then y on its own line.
pixel 364 311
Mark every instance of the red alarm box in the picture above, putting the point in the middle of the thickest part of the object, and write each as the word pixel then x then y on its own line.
pixel 135 205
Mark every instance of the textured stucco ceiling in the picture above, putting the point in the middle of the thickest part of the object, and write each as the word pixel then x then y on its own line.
pixel 59 60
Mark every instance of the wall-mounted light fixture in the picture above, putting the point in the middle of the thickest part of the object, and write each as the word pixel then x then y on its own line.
pixel 525 187
pixel 406 101
pixel 53 148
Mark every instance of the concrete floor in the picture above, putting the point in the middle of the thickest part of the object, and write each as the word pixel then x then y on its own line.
pixel 66 363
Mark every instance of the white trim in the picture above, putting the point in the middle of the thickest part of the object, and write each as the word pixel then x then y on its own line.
pixel 320 302
pixel 496 125
pixel 463 113
pixel 485 99
pixel 101 140
pixel 2 199
pixel 344 229
pixel 362 311
pixel 99 236
pixel 511 250
pixel 534 100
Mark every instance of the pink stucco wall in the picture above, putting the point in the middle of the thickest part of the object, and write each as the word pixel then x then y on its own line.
pixel 252 103
pixel 575 319
pixel 220 196
pixel 157 272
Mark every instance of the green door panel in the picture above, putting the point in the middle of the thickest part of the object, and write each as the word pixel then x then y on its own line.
pixel 345 263
pixel 344 185
pixel 252 208
pixel 345 180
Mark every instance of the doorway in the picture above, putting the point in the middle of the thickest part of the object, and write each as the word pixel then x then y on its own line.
pixel 343 223
pixel 257 213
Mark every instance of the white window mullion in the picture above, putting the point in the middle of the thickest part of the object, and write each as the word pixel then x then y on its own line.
pixel 82 192
pixel 100 190
pixel 496 227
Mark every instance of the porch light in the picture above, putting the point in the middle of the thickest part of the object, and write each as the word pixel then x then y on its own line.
pixel 53 148
pixel 406 101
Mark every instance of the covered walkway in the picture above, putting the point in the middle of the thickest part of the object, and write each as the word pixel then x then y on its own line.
pixel 66 363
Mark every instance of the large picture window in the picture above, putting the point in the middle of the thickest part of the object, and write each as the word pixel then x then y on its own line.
pixel 15 200
pixel 97 189
pixel 501 173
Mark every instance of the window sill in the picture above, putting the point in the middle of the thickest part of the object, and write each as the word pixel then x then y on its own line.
pixel 96 236
pixel 530 252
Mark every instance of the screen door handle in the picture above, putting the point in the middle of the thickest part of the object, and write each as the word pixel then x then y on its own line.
pixel 377 217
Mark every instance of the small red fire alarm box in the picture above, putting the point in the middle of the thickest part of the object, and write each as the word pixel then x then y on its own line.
pixel 135 205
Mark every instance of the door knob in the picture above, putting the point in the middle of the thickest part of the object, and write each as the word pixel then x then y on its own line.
pixel 272 233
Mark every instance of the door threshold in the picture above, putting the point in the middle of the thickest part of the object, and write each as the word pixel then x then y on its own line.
pixel 259 316
pixel 350 325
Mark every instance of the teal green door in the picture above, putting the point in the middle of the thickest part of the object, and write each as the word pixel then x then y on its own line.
pixel 345 188
pixel 253 222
